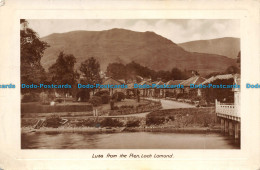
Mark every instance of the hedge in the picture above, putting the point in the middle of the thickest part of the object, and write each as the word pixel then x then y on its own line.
pixel 38 108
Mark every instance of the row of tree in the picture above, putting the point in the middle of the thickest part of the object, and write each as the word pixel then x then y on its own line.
pixel 133 69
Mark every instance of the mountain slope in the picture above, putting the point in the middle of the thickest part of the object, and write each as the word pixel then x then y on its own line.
pixel 124 46
pixel 227 46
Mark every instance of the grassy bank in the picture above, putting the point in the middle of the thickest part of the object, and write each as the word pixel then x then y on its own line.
pixel 36 107
pixel 170 120
pixel 181 118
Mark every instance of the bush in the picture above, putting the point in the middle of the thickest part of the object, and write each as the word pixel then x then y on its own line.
pixel 101 93
pixel 59 100
pixel 112 105
pixel 116 108
pixel 83 94
pixel 179 95
pixel 126 107
pixel 220 94
pixel 203 103
pixel 172 118
pixel 118 96
pixel 44 98
pixel 108 122
pixel 142 105
pixel 128 97
pixel 95 101
pixel 86 123
pixel 31 97
pixel 154 120
pixel 170 94
pixel 105 98
pixel 51 97
pixel 196 98
pixel 39 108
pixel 133 123
pixel 183 96
pixel 53 121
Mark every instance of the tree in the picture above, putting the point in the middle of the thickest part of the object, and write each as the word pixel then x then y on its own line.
pixel 239 59
pixel 90 69
pixel 62 71
pixel 116 70
pixel 176 74
pixel 134 69
pixel 164 75
pixel 213 74
pixel 32 49
pixel 232 70
pixel 221 94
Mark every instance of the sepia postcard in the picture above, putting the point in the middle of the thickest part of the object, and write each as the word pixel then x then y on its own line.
pixel 159 85
pixel 126 62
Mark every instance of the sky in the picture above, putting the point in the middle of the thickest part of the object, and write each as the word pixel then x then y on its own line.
pixel 177 30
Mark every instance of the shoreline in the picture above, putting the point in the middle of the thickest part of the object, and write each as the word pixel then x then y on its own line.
pixel 120 129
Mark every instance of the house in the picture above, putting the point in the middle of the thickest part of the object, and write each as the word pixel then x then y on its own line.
pixel 221 77
pixel 130 90
pixel 236 90
pixel 227 79
pixel 194 80
pixel 146 92
pixel 111 81
pixel 158 92
pixel 173 91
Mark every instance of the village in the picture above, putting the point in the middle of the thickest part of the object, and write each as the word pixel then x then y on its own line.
pixel 124 97
pixel 131 102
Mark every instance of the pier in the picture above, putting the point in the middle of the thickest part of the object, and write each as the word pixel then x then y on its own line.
pixel 229 115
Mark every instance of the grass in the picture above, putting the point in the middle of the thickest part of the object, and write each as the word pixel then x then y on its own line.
pixel 70 109
pixel 183 111
pixel 36 107
pixel 131 102
pixel 184 117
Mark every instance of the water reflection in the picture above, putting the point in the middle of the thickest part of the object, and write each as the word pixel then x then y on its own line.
pixel 128 140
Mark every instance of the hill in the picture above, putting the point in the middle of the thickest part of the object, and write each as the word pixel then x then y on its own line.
pixel 227 46
pixel 120 45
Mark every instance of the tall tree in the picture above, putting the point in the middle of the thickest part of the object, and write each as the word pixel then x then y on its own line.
pixel 164 75
pixel 31 52
pixel 239 59
pixel 116 70
pixel 134 69
pixel 232 70
pixel 62 71
pixel 176 74
pixel 90 69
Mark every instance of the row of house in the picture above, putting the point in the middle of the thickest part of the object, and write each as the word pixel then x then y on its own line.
pixel 166 92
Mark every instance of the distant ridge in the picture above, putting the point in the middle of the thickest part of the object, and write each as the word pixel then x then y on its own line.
pixel 227 46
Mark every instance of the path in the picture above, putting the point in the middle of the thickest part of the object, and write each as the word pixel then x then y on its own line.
pixel 169 104
pixel 130 115
pixel 166 104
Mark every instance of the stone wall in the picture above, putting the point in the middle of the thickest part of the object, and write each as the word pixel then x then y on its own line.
pixel 151 106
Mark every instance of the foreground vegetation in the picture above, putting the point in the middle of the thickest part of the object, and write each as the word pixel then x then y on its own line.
pixel 184 117
pixel 191 119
